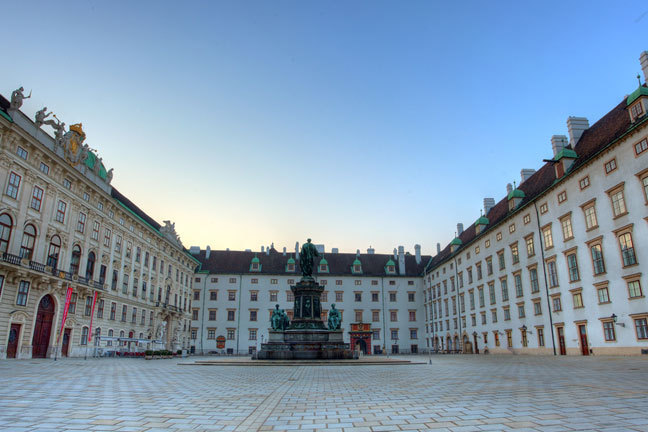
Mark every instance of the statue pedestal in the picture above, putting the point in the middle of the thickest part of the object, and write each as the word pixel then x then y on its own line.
pixel 307 338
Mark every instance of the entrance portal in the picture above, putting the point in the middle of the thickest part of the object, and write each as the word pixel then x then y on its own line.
pixel 561 340
pixel 12 345
pixel 361 345
pixel 582 331
pixel 66 342
pixel 43 327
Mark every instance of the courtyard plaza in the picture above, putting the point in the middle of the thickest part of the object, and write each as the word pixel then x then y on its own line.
pixel 455 393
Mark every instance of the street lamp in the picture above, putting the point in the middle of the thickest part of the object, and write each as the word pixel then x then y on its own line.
pixel 614 319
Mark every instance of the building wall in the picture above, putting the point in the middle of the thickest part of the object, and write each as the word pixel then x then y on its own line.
pixel 242 285
pixel 82 192
pixel 631 169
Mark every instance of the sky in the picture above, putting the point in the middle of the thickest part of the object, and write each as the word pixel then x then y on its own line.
pixel 356 123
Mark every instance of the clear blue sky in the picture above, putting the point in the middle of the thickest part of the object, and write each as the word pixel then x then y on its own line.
pixel 354 123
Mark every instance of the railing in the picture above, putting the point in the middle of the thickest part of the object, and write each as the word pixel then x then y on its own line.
pixel 37 266
pixel 11 259
pixel 42 268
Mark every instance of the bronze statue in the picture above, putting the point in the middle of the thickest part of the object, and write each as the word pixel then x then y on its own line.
pixel 306 259
pixel 334 319
pixel 276 321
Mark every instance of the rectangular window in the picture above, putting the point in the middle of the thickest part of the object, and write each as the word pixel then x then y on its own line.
pixel 504 286
pixel 608 331
pixel 273 296
pixel 562 197
pixel 641 327
pixel 572 265
pixel 231 315
pixel 518 285
pixel 603 295
pixel 125 283
pixel 44 168
pixel 547 236
pixel 557 306
pixel 584 182
pixel 530 247
pixel 566 225
pixel 375 316
pixel 634 289
pixel 73 302
pixel 254 296
pixel 67 184
pixel 358 296
pixel 253 334
pixel 231 295
pixel 501 260
pixel 81 222
pixel 480 291
pixel 537 307
pixel 610 166
pixel 491 292
pixel 641 146
pixel 521 313
pixel 253 315
pixel 124 313
pixel 37 198
pixel 412 315
pixel 23 292
pixel 21 152
pixel 393 316
pixel 60 211
pixel 113 311
pixel 553 274
pixel 533 277
pixel 507 314
pixel 339 296
pixel 618 203
pixel 88 306
pixel 13 185
pixel 577 298
pixel 211 334
pixel 100 308
pixel 134 316
pixel 627 249
pixel 514 253
pixel 597 259
pixel 107 237
pixel 591 221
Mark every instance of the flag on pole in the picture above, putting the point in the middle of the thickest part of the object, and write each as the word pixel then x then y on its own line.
pixel 94 300
pixel 68 296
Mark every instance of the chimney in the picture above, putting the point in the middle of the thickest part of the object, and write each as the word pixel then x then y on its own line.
pixel 268 250
pixel 207 252
pixel 395 254
pixel 575 127
pixel 438 248
pixel 335 250
pixel 358 253
pixel 417 253
pixel 296 250
pixel 643 59
pixel 284 251
pixel 194 250
pixel 558 142
pixel 401 260
pixel 489 203
pixel 262 249
pixel 459 229
pixel 525 173
pixel 371 250
pixel 509 188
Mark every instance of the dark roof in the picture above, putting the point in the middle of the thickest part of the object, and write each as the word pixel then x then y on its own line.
pixel 238 262
pixel 602 133
pixel 4 104
pixel 132 207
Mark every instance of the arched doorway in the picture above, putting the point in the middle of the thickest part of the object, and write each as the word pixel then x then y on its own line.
pixel 43 327
pixel 361 345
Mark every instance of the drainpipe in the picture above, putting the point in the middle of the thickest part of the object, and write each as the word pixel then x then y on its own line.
pixel 382 288
pixel 458 304
pixel 544 271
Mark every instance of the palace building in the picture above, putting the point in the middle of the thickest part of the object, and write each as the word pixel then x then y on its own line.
pixel 558 264
pixel 378 296
pixel 64 227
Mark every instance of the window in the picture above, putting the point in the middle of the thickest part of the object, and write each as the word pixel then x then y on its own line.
pixel 627 249
pixel 324 296
pixel 562 197
pixel 556 304
pixel 480 291
pixel 358 282
pixel 113 311
pixel 589 211
pixel 253 315
pixel 358 296
pixel 394 334
pixel 547 236
pixel 231 334
pixel 501 260
pixel 641 327
pixel 67 184
pixel 518 285
pixel 134 316
pixel 23 292
pixel 504 286
pixel 544 208
pixel 392 296
pixel 393 315
pixel 73 302
pixel 514 253
pixel 410 296
pixel 13 185
pixel 530 246
pixel 603 295
pixel 88 306
pixel 339 296
pixel 107 235
pixel 577 298
pixel 273 281
pixel 124 313
pixel 566 225
pixel 572 266
pixel 118 244
pixel 521 313
pixel 100 308
pixel 138 250
pixel 641 146
pixel 597 258
pixel 27 243
pixel 21 152
pixel 511 228
pixel 231 315
pixel 608 331
pixel 84 336
pixel 610 166
pixel 413 334
pixel 358 316
pixel 537 307
pixel 37 198
pixel 60 212
pixel 494 315
pixel 498 236
pixel 231 295
pixel 254 295
pixel 553 274
pixel 527 219
pixel 211 333
pixel 636 110
pixel 75 260
pixel 491 292
pixel 5 231
pixel 584 182
pixel 618 202
pixel 253 334
pixel 412 315
pixel 273 296
pixel 44 168
pixel 634 289
pixel 374 296
pixel 533 277
pixel 375 316
pixel 290 297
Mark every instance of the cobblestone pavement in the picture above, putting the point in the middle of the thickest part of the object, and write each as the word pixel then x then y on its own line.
pixel 457 393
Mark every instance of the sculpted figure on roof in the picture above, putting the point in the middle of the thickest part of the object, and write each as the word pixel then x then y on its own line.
pixel 306 259
pixel 17 98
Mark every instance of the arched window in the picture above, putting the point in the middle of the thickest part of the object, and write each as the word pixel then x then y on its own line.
pixel 121 336
pixel 28 240
pixel 110 334
pixel 97 336
pixel 5 231
pixel 76 259
pixel 84 336
pixel 53 251
pixel 90 266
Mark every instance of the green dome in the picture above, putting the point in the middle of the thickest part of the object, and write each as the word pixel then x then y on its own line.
pixel 483 220
pixel 357 262
pixel 516 193
pixel 323 262
pixel 255 260
pixel 456 242
pixel 291 260
pixel 641 91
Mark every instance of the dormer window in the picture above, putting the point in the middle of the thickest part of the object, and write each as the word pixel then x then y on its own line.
pixel 637 110
pixel 356 268
pixel 255 265
pixel 637 102
pixel 290 265
pixel 323 266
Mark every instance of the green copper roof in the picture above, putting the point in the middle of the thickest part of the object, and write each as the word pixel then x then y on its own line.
pixel 90 163
pixel 7 116
pixel 357 262
pixel 566 153
pixel 516 193
pixel 456 242
pixel 291 260
pixel 323 262
pixel 483 220
pixel 641 91
pixel 390 263
pixel 255 259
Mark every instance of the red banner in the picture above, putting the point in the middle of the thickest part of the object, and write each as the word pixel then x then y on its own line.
pixel 94 300
pixel 68 296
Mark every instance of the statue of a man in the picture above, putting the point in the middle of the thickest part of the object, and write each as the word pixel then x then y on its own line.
pixel 17 98
pixel 334 318
pixel 306 258
pixel 285 322
pixel 40 116
pixel 276 321
pixel 59 131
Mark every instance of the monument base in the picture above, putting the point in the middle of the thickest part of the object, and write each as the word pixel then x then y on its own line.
pixel 305 344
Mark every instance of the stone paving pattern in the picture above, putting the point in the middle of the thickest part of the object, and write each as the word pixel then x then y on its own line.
pixel 455 393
